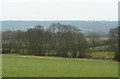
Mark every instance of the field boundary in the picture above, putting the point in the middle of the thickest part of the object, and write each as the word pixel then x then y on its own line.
pixel 60 78
pixel 63 58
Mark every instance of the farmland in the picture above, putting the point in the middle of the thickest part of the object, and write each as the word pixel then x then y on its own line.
pixel 59 51
pixel 15 65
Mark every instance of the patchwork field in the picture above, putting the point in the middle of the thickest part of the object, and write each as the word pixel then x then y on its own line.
pixel 37 66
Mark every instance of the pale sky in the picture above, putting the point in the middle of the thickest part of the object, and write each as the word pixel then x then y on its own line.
pixel 45 10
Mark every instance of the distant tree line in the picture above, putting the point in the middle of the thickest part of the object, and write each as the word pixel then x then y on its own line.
pixel 57 40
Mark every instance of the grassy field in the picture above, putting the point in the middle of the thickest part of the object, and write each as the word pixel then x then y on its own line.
pixel 102 54
pixel 100 48
pixel 35 66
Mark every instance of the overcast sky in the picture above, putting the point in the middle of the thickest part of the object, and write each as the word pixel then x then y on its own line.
pixel 59 10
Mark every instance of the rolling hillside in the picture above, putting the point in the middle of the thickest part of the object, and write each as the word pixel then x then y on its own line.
pixel 101 27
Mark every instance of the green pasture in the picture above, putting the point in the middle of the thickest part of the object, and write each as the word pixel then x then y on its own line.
pixel 14 65
pixel 100 48
pixel 102 55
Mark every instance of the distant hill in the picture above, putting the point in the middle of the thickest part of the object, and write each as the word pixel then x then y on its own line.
pixel 96 26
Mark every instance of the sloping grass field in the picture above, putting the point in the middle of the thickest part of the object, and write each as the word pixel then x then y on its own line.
pixel 100 48
pixel 34 66
pixel 102 54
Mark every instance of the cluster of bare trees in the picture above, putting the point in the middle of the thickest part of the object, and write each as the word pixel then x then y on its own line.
pixel 58 40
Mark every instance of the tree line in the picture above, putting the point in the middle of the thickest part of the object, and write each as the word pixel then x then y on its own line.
pixel 55 40
pixel 58 39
